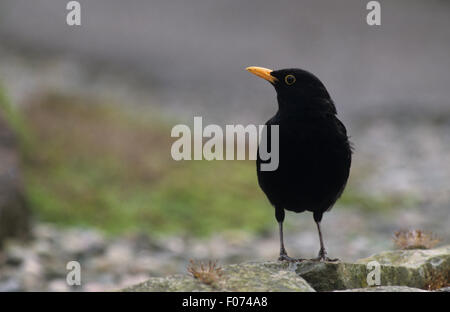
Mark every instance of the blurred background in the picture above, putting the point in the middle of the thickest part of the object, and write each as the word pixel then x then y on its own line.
pixel 86 113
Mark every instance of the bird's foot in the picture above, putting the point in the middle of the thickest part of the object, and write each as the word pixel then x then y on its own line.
pixel 284 257
pixel 323 257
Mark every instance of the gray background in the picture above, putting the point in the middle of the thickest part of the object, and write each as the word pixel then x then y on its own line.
pixel 194 52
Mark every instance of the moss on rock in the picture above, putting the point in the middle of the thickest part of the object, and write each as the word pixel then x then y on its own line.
pixel 236 277
pixel 384 289
pixel 426 269
pixel 400 270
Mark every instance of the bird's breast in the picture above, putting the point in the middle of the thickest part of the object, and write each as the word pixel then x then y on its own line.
pixel 313 164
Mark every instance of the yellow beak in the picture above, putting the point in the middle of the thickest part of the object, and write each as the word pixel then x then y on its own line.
pixel 263 73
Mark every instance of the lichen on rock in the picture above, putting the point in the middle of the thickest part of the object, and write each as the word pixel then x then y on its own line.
pixel 400 270
pixel 384 289
pixel 426 269
pixel 236 277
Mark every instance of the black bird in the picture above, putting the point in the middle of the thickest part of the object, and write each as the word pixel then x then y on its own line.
pixel 314 150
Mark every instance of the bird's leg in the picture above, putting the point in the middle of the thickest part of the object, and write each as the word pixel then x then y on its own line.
pixel 283 254
pixel 322 253
pixel 279 215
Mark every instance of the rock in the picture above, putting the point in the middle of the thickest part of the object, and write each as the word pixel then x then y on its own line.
pixel 10 285
pixel 328 276
pixel 420 268
pixel 58 286
pixel 14 211
pixel 384 289
pixel 235 277
pixel 170 283
pixel 445 289
pixel 424 269
pixel 80 243
pixel 400 271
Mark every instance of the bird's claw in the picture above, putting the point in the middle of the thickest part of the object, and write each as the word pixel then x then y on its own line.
pixel 323 257
pixel 285 257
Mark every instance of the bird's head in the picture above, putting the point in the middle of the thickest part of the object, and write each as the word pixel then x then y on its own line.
pixel 297 89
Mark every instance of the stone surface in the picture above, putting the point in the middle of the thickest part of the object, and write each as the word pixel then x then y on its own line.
pixel 426 269
pixel 400 271
pixel 327 276
pixel 444 289
pixel 235 277
pixel 384 289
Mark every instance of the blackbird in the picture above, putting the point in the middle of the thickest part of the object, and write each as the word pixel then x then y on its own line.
pixel 314 150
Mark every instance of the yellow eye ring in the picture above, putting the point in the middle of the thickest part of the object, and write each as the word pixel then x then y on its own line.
pixel 289 79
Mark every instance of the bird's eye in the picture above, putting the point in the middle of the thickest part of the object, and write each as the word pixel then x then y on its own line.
pixel 289 79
